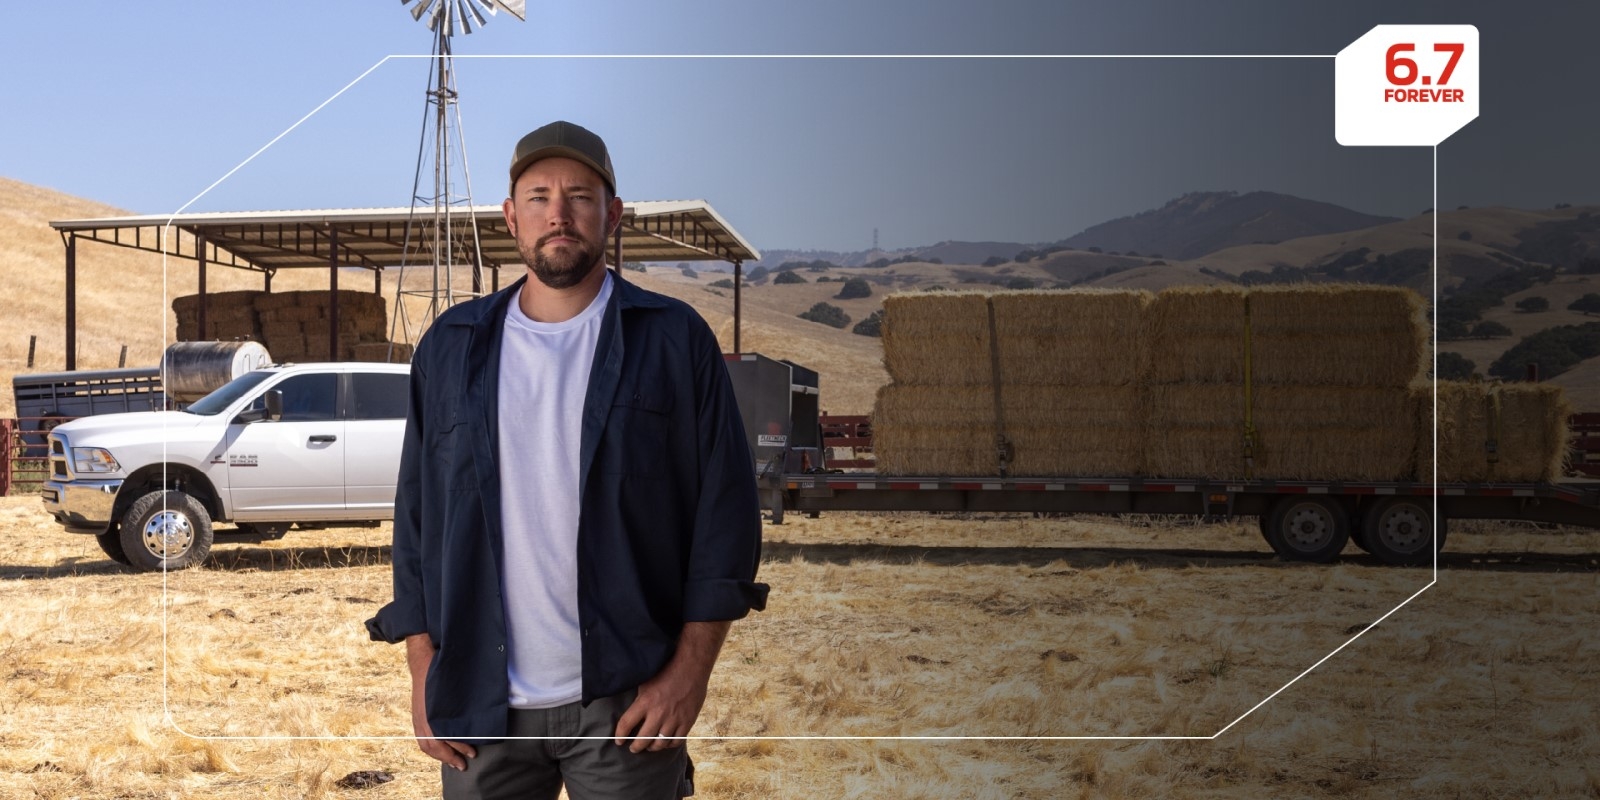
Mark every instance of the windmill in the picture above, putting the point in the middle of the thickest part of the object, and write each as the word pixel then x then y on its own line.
pixel 441 230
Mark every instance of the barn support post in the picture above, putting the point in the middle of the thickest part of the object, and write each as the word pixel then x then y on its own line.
pixel 477 271
pixel 377 281
pixel 72 301
pixel 200 259
pixel 738 283
pixel 266 281
pixel 333 294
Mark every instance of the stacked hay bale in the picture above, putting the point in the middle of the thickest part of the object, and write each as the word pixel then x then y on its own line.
pixel 294 325
pixel 230 316
pixel 936 416
pixel 1328 395
pixel 1058 380
pixel 1491 432
pixel 1126 384
pixel 1071 401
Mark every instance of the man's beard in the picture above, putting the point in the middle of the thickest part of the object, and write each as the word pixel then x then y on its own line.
pixel 563 269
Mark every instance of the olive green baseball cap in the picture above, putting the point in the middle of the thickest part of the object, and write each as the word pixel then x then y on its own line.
pixel 567 140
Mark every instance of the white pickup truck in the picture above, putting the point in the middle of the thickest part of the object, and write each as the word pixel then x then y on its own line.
pixel 301 443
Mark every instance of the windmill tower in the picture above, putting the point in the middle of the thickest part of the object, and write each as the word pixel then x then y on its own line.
pixel 441 230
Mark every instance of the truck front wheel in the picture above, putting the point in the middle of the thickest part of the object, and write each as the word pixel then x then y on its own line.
pixel 165 529
pixel 111 545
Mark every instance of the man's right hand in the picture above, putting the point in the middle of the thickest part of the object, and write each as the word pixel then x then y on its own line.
pixel 419 654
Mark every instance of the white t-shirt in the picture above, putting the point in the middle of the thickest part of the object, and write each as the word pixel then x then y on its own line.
pixel 544 376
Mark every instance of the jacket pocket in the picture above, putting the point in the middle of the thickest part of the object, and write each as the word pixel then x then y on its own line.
pixel 635 440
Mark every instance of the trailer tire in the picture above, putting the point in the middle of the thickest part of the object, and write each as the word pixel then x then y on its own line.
pixel 165 529
pixel 1400 531
pixel 111 544
pixel 1303 528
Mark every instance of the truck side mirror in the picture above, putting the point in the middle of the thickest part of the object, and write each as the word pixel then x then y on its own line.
pixel 274 401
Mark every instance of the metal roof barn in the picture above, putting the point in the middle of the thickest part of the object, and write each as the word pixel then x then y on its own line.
pixel 376 239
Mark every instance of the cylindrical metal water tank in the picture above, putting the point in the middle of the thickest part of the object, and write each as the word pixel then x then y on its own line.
pixel 192 370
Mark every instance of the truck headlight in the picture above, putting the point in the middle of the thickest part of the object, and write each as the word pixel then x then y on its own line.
pixel 93 459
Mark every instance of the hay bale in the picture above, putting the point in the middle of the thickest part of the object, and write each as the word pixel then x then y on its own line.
pixel 937 338
pixel 382 352
pixel 1526 421
pixel 1376 452
pixel 934 430
pixel 1077 451
pixel 1301 432
pixel 1081 337
pixel 1349 359
pixel 1334 406
pixel 1115 406
pixel 1323 334
pixel 1193 451
pixel 1337 310
pixel 1200 405
pixel 1194 334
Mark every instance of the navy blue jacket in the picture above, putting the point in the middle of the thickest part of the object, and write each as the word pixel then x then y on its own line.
pixel 669 529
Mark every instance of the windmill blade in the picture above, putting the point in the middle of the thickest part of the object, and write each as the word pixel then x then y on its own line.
pixel 458 15
pixel 422 8
pixel 472 6
pixel 516 8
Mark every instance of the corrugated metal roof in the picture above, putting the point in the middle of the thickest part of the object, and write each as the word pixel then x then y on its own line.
pixel 663 230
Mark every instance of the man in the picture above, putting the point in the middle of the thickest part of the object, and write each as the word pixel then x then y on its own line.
pixel 576 520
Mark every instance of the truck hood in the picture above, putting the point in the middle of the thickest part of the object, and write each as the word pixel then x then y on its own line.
pixel 87 430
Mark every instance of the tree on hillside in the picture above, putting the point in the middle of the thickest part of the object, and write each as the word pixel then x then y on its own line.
pixel 1489 329
pixel 756 274
pixel 688 271
pixel 854 288
pixel 1455 367
pixel 1553 350
pixel 788 277
pixel 994 261
pixel 724 283
pixel 1588 304
pixel 830 315
pixel 1533 304
pixel 871 326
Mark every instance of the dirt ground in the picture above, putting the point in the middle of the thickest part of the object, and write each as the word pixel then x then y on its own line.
pixel 255 678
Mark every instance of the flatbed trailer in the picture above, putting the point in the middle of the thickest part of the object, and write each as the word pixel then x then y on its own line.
pixel 792 444
pixel 1301 520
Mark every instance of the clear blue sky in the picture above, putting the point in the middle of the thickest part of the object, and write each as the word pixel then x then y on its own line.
pixel 142 105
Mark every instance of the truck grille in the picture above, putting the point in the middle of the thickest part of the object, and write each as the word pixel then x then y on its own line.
pixel 58 457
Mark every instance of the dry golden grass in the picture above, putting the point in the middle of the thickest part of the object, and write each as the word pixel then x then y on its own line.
pixel 879 625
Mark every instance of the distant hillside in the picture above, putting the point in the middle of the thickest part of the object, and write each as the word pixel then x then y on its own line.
pixel 1203 222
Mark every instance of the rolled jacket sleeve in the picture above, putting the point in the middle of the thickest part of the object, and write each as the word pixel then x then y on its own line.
pixel 407 613
pixel 726 544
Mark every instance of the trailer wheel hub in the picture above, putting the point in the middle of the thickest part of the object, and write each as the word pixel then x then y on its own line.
pixel 1404 529
pixel 1309 528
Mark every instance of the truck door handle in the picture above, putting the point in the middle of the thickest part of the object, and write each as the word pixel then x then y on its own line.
pixel 323 439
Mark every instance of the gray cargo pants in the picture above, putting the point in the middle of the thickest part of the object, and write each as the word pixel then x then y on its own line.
pixel 591 769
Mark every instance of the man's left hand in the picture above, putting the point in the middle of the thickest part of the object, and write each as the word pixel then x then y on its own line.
pixel 668 704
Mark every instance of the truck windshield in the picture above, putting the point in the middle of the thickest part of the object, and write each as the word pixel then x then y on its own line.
pixel 219 400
